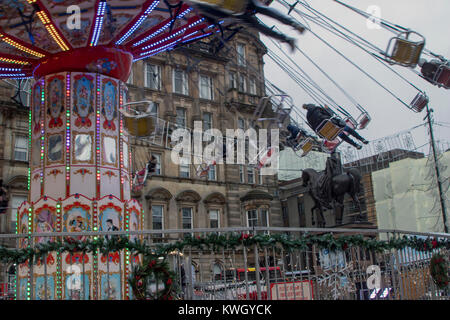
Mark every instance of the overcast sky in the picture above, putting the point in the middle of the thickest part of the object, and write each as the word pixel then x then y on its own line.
pixel 389 116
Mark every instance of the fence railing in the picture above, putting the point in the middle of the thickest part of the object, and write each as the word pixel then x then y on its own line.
pixel 269 269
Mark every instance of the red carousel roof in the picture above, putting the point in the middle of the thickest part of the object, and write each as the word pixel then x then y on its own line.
pixel 38 37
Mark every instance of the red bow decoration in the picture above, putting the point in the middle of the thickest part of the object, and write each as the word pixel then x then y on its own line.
pixel 83 122
pixel 55 123
pixel 109 125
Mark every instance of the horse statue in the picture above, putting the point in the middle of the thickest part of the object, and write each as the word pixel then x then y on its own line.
pixel 328 190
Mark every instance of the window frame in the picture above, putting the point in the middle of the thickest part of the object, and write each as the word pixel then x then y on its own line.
pixel 241 56
pixel 191 218
pixel 184 80
pixel 146 78
pixel 210 87
pixel 162 218
pixel 26 148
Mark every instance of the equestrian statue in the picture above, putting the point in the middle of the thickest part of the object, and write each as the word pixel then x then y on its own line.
pixel 328 189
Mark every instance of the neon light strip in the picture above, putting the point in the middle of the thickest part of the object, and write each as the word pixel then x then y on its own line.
pixel 68 135
pixel 98 23
pixel 14 61
pixel 20 47
pixel 98 137
pixel 12 75
pixel 156 51
pixel 42 133
pixel 138 23
pixel 121 141
pixel 174 35
pixel 163 28
pixel 10 69
pixel 52 30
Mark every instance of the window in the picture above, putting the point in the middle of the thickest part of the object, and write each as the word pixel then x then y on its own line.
pixel 242 84
pixel 233 81
pixel 214 219
pixel 180 84
pixel 252 218
pixel 241 123
pixel 252 86
pixel 207 121
pixel 206 87
pixel 241 54
pixel 250 176
pixel 217 271
pixel 258 218
pixel 261 179
pixel 21 148
pixel 16 201
pixel 152 76
pixel 212 173
pixel 186 218
pixel 24 94
pixel 158 165
pixel 184 169
pixel 181 117
pixel 241 174
pixel 157 218
pixel 130 78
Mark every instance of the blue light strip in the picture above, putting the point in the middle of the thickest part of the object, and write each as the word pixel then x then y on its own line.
pixel 12 74
pixel 167 25
pixel 138 23
pixel 176 34
pixel 11 69
pixel 98 23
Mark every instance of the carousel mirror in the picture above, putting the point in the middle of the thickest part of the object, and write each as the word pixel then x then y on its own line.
pixel 109 145
pixel 55 148
pixel 83 147
pixel 125 156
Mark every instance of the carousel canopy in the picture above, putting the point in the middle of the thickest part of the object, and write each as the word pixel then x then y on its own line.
pixel 39 37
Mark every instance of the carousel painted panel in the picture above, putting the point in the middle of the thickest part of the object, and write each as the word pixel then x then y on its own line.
pixel 77 276
pixel 82 180
pixel 110 286
pixel 36 132
pixel 126 185
pixel 83 102
pixel 45 219
pixel 35 184
pixel 109 182
pixel 23 223
pixel 77 215
pixel 55 98
pixel 109 106
pixel 135 218
pixel 44 287
pixel 55 181
pixel 111 211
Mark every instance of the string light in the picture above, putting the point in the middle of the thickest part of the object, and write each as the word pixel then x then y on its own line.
pixel 58 254
pixel 98 137
pixel 68 135
pixel 41 110
pixel 13 61
pixel 163 28
pixel 138 22
pixel 98 23
pixel 20 47
pixel 52 30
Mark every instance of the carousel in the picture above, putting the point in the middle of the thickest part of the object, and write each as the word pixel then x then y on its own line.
pixel 79 54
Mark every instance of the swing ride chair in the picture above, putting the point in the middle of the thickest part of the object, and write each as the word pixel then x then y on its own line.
pixel 227 6
pixel 363 120
pixel 419 102
pixel 140 124
pixel 328 130
pixel 403 51
pixel 442 76
pixel 281 113
pixel 306 145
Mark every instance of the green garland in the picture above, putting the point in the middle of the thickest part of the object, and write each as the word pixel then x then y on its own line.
pixel 439 270
pixel 153 268
pixel 216 242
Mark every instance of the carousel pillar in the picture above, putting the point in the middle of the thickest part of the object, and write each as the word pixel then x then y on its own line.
pixel 79 177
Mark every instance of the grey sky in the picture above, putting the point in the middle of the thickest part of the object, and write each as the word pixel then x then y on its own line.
pixel 430 18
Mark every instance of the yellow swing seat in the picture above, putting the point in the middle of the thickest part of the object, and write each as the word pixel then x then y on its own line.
pixel 328 130
pixel 138 126
pixel 405 52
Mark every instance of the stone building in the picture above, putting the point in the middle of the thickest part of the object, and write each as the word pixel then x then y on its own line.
pixel 220 89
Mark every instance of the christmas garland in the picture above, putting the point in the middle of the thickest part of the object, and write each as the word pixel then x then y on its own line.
pixel 216 242
pixel 439 270
pixel 153 268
